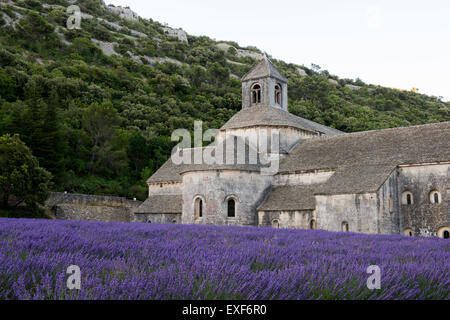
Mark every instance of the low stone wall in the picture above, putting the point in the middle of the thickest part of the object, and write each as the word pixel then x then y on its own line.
pixel 67 206
pixel 158 218
pixel 93 213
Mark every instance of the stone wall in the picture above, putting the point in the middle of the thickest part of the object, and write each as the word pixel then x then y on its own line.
pixel 307 178
pixel 286 219
pixel 360 211
pixel 267 93
pixel 389 206
pixel 164 188
pixel 164 218
pixel 67 206
pixel 288 136
pixel 422 216
pixel 93 213
pixel 249 189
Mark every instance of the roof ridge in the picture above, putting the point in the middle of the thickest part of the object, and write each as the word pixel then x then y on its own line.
pixel 269 70
pixel 379 130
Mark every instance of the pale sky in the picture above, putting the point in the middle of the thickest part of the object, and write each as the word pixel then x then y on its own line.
pixel 401 44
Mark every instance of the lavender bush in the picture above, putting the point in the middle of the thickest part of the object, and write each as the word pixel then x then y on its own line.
pixel 148 261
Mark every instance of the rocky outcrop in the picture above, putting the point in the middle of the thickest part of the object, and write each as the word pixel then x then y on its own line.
pixel 352 87
pixel 123 13
pixel 301 72
pixel 240 53
pixel 179 34
pixel 106 47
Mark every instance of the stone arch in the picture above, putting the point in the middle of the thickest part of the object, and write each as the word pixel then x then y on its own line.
pixel 435 197
pixel 408 232
pixel 199 206
pixel 231 208
pixel 276 223
pixel 278 94
pixel 313 224
pixel 407 198
pixel 256 93
pixel 229 203
pixel 345 226
pixel 149 221
pixel 444 232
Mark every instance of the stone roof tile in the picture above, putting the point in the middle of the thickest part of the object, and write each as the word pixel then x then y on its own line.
pixel 161 204
pixel 264 69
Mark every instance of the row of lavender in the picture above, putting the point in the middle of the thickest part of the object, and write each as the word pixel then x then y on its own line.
pixel 140 261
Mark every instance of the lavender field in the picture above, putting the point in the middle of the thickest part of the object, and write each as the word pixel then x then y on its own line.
pixel 148 261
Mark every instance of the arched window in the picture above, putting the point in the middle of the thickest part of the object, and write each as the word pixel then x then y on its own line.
pixel 174 221
pixel 407 198
pixel 345 227
pixel 231 208
pixel 198 207
pixel 408 232
pixel 276 224
pixel 149 221
pixel 278 94
pixel 444 233
pixel 256 93
pixel 312 224
pixel 435 197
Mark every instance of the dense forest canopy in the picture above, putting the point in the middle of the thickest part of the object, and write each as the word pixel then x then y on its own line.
pixel 101 122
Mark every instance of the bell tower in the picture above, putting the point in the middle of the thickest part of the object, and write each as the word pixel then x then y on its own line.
pixel 264 86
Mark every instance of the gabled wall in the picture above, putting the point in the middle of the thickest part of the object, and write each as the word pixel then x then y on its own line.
pixel 358 210
pixel 423 217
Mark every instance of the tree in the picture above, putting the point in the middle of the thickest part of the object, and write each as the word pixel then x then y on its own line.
pixel 7 86
pixel 100 121
pixel 51 144
pixel 218 74
pixel 34 28
pixel 22 181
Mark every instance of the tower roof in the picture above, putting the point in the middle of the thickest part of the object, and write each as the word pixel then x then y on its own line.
pixel 264 69
pixel 266 116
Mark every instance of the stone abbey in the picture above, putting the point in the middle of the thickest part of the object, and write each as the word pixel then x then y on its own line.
pixel 391 181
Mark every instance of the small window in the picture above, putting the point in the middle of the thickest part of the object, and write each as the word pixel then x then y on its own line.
pixel 345 227
pixel 408 232
pixel 312 224
pixel 174 221
pixel 435 197
pixel 407 198
pixel 198 208
pixel 231 208
pixel 149 221
pixel 278 94
pixel 256 93
pixel 276 224
pixel 444 233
